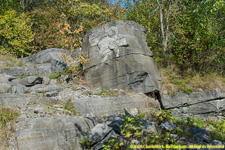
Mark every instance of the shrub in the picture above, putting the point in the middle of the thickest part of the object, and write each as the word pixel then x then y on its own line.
pixel 7 115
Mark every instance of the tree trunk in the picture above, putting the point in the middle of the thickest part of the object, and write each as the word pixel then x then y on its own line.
pixel 22 4
pixel 162 26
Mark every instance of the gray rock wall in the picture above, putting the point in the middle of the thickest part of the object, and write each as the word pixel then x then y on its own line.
pixel 196 103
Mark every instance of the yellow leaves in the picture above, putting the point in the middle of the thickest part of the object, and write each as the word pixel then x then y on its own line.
pixel 121 144
pixel 158 114
pixel 128 134
pixel 139 134
pixel 62 15
pixel 61 32
pixel 82 58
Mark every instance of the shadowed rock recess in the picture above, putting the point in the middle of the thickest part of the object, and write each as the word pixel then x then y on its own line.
pixel 119 58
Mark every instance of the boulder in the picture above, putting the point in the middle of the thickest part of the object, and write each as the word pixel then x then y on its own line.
pixel 98 133
pixel 31 81
pixel 4 86
pixel 18 89
pixel 119 58
pixel 104 141
pixel 167 126
pixel 116 124
pixel 201 136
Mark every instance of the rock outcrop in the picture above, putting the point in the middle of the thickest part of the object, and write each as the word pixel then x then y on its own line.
pixel 119 58
pixel 42 64
pixel 197 103
pixel 45 133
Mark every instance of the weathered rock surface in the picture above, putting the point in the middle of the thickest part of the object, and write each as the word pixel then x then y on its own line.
pixel 51 55
pixel 43 63
pixel 119 58
pixel 4 86
pixel 115 105
pixel 61 133
pixel 99 132
pixel 14 100
pixel 195 103
pixel 201 136
pixel 18 89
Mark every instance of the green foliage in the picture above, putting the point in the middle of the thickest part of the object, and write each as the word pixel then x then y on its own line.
pixel 21 77
pixel 79 68
pixel 85 143
pixel 217 127
pixel 69 105
pixel 69 21
pixel 181 82
pixel 196 30
pixel 189 81
pixel 129 128
pixel 7 115
pixel 162 116
pixel 145 12
pixel 107 92
pixel 16 33
pixel 198 37
pixel 56 75
pixel 129 131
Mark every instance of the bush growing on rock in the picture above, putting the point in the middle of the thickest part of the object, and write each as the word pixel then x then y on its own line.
pixel 169 131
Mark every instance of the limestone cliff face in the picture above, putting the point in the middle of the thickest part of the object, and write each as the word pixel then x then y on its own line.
pixel 119 58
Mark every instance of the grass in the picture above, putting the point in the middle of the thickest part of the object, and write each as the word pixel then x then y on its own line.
pixel 7 124
pixel 22 76
pixel 173 81
pixel 11 61
pixel 68 106
pixel 107 92
pixel 56 75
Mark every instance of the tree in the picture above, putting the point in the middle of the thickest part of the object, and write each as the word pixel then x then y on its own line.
pixel 164 22
pixel 16 33
pixel 64 23
pixel 198 36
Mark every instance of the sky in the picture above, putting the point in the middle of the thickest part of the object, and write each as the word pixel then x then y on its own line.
pixel 114 1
